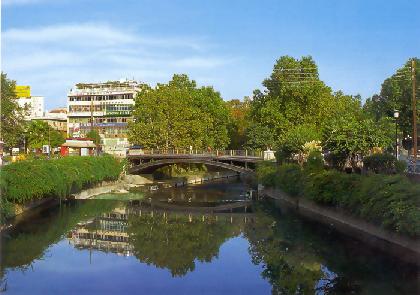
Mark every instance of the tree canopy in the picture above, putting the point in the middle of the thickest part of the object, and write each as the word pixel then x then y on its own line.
pixel 178 115
pixel 239 121
pixel 12 115
pixel 297 108
pixel 39 134
pixel 396 94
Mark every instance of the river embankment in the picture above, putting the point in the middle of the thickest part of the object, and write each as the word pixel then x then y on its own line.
pixel 27 184
pixel 379 209
pixel 404 247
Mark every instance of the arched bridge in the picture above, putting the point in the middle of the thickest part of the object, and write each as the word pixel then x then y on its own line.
pixel 146 161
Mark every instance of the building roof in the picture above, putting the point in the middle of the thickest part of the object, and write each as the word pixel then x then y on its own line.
pixel 58 110
pixel 79 144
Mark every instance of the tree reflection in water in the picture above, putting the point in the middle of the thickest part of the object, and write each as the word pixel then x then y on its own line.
pixel 174 241
pixel 296 258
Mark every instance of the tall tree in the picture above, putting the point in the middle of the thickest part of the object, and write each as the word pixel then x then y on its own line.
pixel 39 134
pixel 178 115
pixel 294 95
pixel 396 94
pixel 239 121
pixel 12 115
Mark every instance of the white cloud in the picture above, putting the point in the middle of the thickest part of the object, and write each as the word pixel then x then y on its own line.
pixel 52 58
pixel 21 2
pixel 89 34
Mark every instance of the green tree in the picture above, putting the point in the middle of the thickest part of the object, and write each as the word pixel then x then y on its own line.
pixel 396 94
pixel 93 134
pixel 239 121
pixel 293 141
pixel 349 135
pixel 179 115
pixel 39 133
pixel 12 115
pixel 294 95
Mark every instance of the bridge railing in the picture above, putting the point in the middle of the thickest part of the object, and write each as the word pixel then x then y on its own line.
pixel 208 152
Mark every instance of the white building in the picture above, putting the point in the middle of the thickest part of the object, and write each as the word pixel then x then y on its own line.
pixel 34 105
pixel 104 107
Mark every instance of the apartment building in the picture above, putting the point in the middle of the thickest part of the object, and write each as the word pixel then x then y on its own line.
pixel 104 107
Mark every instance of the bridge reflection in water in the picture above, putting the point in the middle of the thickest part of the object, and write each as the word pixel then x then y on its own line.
pixel 140 227
pixel 291 254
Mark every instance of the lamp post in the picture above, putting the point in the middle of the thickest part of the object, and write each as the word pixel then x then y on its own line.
pixel 396 115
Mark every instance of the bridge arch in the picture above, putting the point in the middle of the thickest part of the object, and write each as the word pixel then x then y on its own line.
pixel 147 167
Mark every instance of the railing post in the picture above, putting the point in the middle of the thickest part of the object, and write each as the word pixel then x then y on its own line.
pixel 246 153
pixel 217 153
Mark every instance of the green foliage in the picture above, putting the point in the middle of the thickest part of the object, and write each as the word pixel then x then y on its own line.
pixel 39 133
pixel 259 137
pixel 93 134
pixel 35 179
pixel 381 163
pixel 289 100
pixel 7 210
pixel 314 163
pixel 391 201
pixel 239 122
pixel 176 243
pixel 12 115
pixel 396 94
pixel 331 187
pixel 267 173
pixel 400 166
pixel 21 248
pixel 179 115
pixel 179 170
pixel 294 139
pixel 353 134
pixel 289 178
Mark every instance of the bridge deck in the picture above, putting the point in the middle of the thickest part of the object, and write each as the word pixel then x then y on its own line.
pixel 195 156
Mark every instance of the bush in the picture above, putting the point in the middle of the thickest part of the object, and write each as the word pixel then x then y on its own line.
pixel 290 178
pixel 380 163
pixel 266 173
pixel 390 201
pixel 331 187
pixel 35 179
pixel 400 166
pixel 315 162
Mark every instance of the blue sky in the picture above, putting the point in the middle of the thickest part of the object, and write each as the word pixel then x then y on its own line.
pixel 232 45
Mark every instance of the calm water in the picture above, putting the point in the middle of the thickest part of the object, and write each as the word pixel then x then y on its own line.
pixel 195 240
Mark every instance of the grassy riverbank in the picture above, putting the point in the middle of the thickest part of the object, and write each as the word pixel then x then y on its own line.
pixel 391 201
pixel 26 181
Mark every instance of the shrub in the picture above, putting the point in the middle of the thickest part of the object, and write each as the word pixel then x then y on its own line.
pixel 35 179
pixel 314 163
pixel 380 163
pixel 400 166
pixel 390 201
pixel 266 173
pixel 290 178
pixel 331 187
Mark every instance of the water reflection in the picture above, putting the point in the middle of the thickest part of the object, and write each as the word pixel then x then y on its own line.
pixel 165 239
pixel 294 256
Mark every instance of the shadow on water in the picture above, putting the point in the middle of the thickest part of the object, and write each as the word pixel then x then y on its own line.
pixel 295 256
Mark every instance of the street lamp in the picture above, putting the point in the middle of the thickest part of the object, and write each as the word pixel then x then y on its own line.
pixel 396 115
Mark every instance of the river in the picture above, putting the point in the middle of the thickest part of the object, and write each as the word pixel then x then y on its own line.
pixel 203 239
